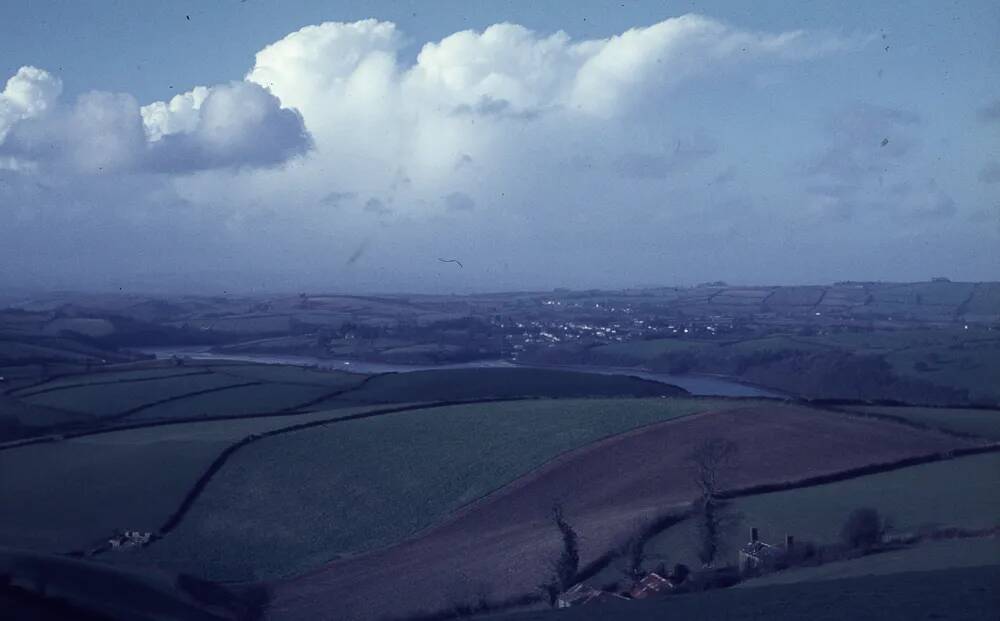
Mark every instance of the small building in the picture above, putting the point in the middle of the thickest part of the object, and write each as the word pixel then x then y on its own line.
pixel 582 593
pixel 652 584
pixel 757 555
pixel 130 539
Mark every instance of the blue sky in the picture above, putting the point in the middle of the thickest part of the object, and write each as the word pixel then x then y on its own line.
pixel 761 155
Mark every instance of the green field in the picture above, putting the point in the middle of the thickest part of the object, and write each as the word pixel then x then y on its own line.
pixel 965 594
pixel 242 400
pixel 500 383
pixel 983 423
pixel 962 492
pixel 109 399
pixel 99 377
pixel 72 493
pixel 165 392
pixel 360 484
pixel 294 375
pixel 97 588
pixel 644 351
pixel 974 367
pixel 943 554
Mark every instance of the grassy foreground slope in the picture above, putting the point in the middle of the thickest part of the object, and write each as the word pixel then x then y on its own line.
pixel 943 554
pixel 361 484
pixel 968 594
pixel 963 492
pixel 608 489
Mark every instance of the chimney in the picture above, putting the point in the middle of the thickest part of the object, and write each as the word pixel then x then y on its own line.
pixel 753 534
pixel 789 542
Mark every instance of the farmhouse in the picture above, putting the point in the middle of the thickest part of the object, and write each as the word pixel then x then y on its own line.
pixel 652 584
pixel 757 554
pixel 583 593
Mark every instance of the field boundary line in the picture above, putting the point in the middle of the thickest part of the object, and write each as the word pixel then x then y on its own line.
pixel 914 424
pixel 860 471
pixel 189 499
pixel 107 383
pixel 196 393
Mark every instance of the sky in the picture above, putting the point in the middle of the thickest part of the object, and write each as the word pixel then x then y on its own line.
pixel 261 146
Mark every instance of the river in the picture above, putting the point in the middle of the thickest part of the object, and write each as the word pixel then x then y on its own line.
pixel 702 385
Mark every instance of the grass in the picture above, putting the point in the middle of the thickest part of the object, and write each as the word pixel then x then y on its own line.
pixel 108 399
pixel 642 351
pixel 242 400
pixel 295 375
pixel 107 592
pixel 944 554
pixel 72 493
pixel 500 383
pixel 983 423
pixel 967 594
pixel 109 377
pixel 362 484
pixel 973 367
pixel 961 492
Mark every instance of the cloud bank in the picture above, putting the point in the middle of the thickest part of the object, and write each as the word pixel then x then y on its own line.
pixel 539 159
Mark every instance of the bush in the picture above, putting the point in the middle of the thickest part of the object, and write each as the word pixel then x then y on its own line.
pixel 863 529
pixel 680 573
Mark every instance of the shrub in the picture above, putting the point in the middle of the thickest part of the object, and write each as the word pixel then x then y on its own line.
pixel 863 529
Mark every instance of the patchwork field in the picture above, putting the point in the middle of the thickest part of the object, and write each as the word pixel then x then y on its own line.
pixel 152 391
pixel 944 554
pixel 365 483
pixel 607 488
pixel 71 494
pixel 235 401
pixel 501 383
pixel 978 422
pixel 962 492
pixel 101 400
pixel 967 594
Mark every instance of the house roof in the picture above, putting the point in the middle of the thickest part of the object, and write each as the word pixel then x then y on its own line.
pixel 651 584
pixel 582 593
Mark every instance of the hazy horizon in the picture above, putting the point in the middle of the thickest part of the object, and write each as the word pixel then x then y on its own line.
pixel 239 146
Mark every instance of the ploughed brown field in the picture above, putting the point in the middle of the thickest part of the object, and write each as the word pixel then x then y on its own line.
pixel 505 541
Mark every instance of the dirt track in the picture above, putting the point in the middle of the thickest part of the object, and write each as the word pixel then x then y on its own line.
pixel 501 545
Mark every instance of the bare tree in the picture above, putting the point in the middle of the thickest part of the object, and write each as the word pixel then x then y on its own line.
pixel 711 463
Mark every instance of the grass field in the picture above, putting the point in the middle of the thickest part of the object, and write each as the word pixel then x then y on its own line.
pixel 241 400
pixel 608 489
pixel 107 592
pixel 71 493
pixel 961 492
pixel 108 377
pixel 973 367
pixel 294 375
pixel 943 554
pixel 361 484
pixel 100 400
pixel 967 594
pixel 213 388
pixel 501 383
pixel 983 423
